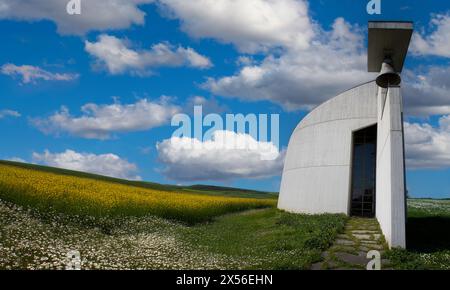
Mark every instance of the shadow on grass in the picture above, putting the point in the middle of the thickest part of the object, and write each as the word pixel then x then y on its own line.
pixel 428 234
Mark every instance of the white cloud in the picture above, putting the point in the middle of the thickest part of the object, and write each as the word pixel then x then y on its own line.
pixel 226 156
pixel 312 64
pixel 9 113
pixel 16 159
pixel 435 43
pixel 302 78
pixel 426 92
pixel 245 60
pixel 100 121
pixel 117 57
pixel 95 15
pixel 104 164
pixel 426 89
pixel 427 146
pixel 251 25
pixel 444 123
pixel 32 74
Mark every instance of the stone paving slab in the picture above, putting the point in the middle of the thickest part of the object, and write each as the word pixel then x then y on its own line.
pixel 344 242
pixel 364 232
pixel 367 241
pixel 353 259
pixel 349 251
pixel 361 236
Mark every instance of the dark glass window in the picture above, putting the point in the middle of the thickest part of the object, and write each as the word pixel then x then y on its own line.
pixel 364 172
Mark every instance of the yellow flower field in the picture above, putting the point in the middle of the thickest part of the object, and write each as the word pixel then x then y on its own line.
pixel 85 196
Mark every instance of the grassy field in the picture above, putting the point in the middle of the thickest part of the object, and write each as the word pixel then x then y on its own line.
pixel 256 239
pixel 269 239
pixel 427 236
pixel 115 224
pixel 197 189
pixel 86 196
pixel 118 224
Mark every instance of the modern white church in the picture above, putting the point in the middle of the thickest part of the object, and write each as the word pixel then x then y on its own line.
pixel 347 155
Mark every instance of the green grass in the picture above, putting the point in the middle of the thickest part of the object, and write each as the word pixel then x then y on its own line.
pixel 228 191
pixel 256 239
pixel 269 239
pixel 36 233
pixel 427 236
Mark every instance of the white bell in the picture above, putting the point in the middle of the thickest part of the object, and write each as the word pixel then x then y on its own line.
pixel 388 77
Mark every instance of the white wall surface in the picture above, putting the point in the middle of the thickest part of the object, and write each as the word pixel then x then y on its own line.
pixel 390 191
pixel 316 176
pixel 317 173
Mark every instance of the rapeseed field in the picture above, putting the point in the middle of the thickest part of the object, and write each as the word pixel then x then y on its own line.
pixel 84 196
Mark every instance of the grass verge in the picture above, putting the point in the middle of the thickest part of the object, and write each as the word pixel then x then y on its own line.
pixel 427 236
pixel 256 239
pixel 269 239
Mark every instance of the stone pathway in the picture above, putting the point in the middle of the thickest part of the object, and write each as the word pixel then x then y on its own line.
pixel 350 249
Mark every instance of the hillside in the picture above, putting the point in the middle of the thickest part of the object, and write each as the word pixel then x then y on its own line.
pixel 116 224
pixel 81 194
pixel 198 189
pixel 120 224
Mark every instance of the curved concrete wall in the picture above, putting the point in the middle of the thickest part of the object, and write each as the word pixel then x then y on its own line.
pixel 317 170
pixel 390 193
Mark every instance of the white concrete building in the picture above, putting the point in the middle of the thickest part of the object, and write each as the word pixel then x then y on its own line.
pixel 347 155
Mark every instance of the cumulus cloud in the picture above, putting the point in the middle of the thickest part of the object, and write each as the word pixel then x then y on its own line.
pixel 117 57
pixel 436 43
pixel 103 164
pixel 251 25
pixel 32 74
pixel 310 63
pixel 428 147
pixel 226 156
pixel 426 91
pixel 302 78
pixel 9 113
pixel 100 121
pixel 95 15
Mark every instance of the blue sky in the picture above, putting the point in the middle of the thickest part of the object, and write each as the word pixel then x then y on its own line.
pixel 68 60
